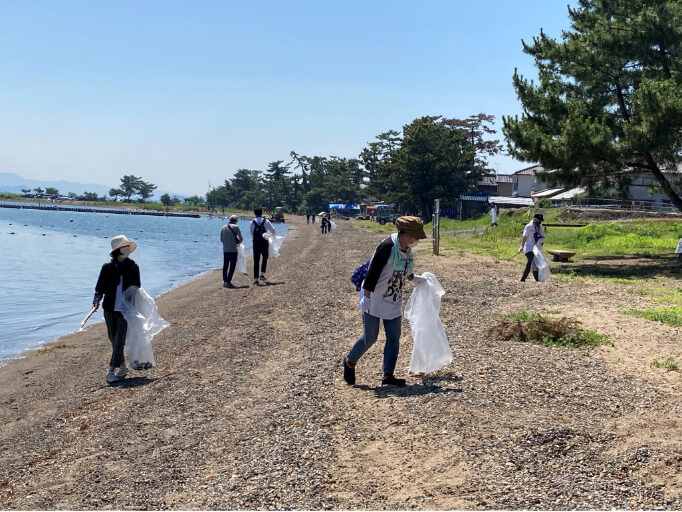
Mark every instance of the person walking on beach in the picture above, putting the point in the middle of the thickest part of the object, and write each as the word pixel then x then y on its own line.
pixel 124 272
pixel 231 237
pixel 381 297
pixel 260 226
pixel 532 234
pixel 326 224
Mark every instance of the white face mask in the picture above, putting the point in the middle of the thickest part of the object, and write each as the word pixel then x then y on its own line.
pixel 125 251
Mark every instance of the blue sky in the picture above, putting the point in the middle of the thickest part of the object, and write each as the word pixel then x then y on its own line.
pixel 181 93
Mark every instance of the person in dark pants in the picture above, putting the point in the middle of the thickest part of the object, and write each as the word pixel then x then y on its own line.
pixel 231 237
pixel 260 226
pixel 326 224
pixel 121 272
pixel 532 234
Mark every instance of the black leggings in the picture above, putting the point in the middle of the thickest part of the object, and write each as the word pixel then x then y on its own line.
pixel 258 251
pixel 529 256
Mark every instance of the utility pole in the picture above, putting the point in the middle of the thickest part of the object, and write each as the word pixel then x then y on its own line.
pixel 436 226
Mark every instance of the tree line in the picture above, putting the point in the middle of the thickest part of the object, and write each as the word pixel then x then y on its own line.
pixel 431 157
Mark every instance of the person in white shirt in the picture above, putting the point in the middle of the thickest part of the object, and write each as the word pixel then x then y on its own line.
pixel 494 214
pixel 532 235
pixel 259 226
pixel 381 298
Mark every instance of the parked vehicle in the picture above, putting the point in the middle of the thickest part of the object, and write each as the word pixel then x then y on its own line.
pixel 385 214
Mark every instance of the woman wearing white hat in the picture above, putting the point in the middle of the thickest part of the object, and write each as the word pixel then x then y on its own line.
pixel 125 271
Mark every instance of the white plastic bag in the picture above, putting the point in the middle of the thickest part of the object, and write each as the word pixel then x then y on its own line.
pixel 494 216
pixel 275 243
pixel 332 225
pixel 540 263
pixel 144 322
pixel 242 254
pixel 431 349
pixel 679 247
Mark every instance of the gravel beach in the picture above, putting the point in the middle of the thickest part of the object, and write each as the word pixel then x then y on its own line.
pixel 247 408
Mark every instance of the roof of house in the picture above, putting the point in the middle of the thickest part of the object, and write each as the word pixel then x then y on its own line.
pixel 488 181
pixel 505 178
pixel 570 194
pixel 529 171
pixel 548 192
pixel 517 201
pixel 472 197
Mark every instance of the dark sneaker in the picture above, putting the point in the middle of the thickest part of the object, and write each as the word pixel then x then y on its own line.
pixel 390 380
pixel 348 373
pixel 226 284
pixel 230 285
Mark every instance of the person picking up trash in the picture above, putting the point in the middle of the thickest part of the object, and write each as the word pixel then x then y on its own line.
pixel 532 235
pixel 121 269
pixel 381 297
pixel 261 246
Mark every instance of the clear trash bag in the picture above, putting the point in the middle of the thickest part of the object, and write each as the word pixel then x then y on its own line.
pixel 431 349
pixel 679 247
pixel 242 254
pixel 144 322
pixel 275 243
pixel 540 263
pixel 332 225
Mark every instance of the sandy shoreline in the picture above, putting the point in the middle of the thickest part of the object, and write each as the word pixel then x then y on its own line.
pixel 247 408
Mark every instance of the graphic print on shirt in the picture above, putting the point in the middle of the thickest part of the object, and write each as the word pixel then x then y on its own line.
pixel 395 286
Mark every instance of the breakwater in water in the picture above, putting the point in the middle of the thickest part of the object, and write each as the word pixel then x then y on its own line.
pixel 89 209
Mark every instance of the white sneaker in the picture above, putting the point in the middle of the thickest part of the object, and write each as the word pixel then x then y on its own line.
pixel 262 277
pixel 255 281
pixel 122 371
pixel 112 377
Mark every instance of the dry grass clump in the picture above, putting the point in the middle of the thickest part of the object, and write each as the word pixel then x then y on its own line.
pixel 534 328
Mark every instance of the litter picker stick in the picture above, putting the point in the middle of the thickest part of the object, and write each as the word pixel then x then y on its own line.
pixel 85 320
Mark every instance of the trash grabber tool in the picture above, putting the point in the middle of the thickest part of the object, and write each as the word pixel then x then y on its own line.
pixel 85 320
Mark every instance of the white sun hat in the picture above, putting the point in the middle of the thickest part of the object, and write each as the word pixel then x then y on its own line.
pixel 120 241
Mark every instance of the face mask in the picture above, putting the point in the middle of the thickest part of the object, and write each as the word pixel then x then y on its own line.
pixel 125 251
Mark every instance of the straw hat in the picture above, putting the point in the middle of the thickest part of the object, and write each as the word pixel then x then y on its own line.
pixel 121 241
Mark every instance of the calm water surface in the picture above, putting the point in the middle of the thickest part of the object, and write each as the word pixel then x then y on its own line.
pixel 52 260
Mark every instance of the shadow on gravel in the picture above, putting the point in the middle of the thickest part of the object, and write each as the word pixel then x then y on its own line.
pixel 272 283
pixel 409 390
pixel 132 382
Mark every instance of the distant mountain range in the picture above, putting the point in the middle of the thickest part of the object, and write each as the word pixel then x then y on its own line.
pixel 13 183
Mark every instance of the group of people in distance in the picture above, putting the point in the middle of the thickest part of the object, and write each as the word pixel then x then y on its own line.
pixel 231 237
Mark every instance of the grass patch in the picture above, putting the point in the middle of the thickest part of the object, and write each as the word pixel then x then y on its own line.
pixel 669 364
pixel 52 348
pixel 532 327
pixel 671 316
pixel 616 239
pixel 375 227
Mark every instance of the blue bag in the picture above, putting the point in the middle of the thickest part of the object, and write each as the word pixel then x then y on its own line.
pixel 359 275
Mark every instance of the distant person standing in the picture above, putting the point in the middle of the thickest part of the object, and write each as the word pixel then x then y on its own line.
pixel 326 224
pixel 494 214
pixel 532 235
pixel 231 237
pixel 260 226
pixel 121 272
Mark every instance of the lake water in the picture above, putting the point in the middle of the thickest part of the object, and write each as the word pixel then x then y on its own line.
pixel 52 261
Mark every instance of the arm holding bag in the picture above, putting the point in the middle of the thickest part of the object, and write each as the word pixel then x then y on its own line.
pixel 540 262
pixel 431 349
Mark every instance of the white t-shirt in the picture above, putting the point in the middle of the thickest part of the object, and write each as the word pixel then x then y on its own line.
pixel 530 232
